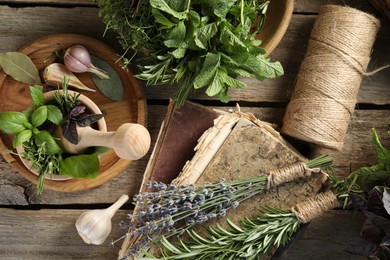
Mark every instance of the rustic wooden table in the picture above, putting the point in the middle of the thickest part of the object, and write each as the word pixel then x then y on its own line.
pixel 42 227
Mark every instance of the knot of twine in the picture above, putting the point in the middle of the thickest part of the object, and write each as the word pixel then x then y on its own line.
pixel 289 173
pixel 330 75
pixel 315 206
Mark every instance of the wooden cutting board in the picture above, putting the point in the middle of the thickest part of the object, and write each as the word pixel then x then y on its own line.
pixel 15 96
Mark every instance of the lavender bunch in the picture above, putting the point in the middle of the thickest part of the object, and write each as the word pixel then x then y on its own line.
pixel 170 211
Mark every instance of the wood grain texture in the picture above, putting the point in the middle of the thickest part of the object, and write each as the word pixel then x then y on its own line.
pixel 51 234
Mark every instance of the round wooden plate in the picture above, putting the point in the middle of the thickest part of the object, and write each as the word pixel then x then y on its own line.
pixel 15 96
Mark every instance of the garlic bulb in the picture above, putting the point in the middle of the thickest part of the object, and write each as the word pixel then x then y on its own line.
pixel 94 226
pixel 78 60
pixel 54 74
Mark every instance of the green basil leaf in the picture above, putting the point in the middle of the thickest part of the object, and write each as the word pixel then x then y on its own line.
pixel 112 88
pixel 37 95
pixel 54 114
pixel 50 143
pixel 39 116
pixel 12 122
pixel 22 137
pixel 208 71
pixel 80 166
pixel 20 67
pixel 165 6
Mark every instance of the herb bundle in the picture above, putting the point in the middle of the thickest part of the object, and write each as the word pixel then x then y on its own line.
pixel 170 211
pixel 193 43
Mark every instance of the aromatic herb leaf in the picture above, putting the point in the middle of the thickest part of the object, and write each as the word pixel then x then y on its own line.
pixel 176 36
pixel 54 114
pixel 208 71
pixel 12 122
pixel 231 42
pixel 112 87
pixel 69 131
pixel 39 116
pixel 162 19
pixel 383 153
pixel 20 67
pixel 87 119
pixel 37 95
pixel 22 137
pixel 80 166
pixel 44 137
pixel 204 34
pixel 167 6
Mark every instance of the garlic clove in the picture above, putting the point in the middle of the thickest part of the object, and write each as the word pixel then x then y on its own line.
pixel 55 73
pixel 77 59
pixel 94 226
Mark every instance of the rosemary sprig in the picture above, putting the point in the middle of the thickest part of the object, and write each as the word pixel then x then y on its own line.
pixel 251 238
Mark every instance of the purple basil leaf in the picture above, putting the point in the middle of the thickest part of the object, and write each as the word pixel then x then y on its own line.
pixel 384 223
pixel 76 111
pixel 372 232
pixel 375 203
pixel 358 201
pixel 86 120
pixel 359 246
pixel 69 131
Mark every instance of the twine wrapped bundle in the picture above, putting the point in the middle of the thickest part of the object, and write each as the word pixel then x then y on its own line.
pixel 328 82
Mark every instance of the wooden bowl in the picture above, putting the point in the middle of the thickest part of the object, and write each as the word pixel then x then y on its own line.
pixel 278 18
pixel 15 96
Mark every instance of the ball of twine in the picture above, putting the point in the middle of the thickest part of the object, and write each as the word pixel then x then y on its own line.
pixel 330 75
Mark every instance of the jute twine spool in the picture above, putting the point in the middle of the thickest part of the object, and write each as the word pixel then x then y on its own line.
pixel 330 75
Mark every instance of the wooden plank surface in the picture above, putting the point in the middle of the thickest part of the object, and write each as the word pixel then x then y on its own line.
pixel 51 234
pixel 44 227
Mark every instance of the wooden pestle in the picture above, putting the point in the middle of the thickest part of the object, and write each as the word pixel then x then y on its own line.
pixel 130 141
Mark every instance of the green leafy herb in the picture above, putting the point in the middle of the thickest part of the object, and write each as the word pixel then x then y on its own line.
pixel 112 87
pixel 12 122
pixel 20 67
pixel 193 44
pixel 246 241
pixel 80 166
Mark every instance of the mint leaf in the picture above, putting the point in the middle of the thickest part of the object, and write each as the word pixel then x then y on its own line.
pixel 37 95
pixel 204 34
pixel 179 53
pixel 22 137
pixel 80 166
pixel 208 71
pixel 176 36
pixel 217 84
pixel 165 6
pixel 12 122
pixel 268 69
pixel 162 19
pixel 39 116
pixel 44 137
pixel 231 42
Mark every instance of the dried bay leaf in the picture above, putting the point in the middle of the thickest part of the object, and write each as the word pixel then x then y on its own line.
pixel 20 67
pixel 112 87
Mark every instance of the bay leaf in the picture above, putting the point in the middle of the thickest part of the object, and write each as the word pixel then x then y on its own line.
pixel 20 67
pixel 112 87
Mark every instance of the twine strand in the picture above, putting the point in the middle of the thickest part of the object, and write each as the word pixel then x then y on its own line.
pixel 289 173
pixel 330 76
pixel 315 206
